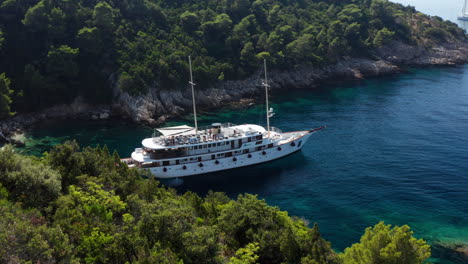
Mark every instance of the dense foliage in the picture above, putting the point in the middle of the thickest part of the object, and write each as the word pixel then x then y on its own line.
pixel 56 50
pixel 83 206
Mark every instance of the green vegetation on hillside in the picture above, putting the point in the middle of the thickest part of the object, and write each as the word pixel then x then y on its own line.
pixel 56 50
pixel 78 205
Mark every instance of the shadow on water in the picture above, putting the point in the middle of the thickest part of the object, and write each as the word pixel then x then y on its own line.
pixel 243 180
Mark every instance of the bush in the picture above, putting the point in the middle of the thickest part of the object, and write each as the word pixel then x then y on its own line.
pixel 385 245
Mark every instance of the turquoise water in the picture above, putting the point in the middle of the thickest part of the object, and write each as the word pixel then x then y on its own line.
pixel 396 149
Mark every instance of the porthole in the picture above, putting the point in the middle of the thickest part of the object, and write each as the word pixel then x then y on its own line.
pixel 264 153
pixel 234 159
pixel 217 162
pixel 200 165
pixel 293 144
pixel 184 167
pixel 249 156
pixel 165 169
pixel 279 148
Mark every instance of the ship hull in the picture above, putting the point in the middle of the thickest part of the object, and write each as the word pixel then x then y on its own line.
pixel 234 162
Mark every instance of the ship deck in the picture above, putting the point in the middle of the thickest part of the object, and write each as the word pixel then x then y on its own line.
pixel 205 136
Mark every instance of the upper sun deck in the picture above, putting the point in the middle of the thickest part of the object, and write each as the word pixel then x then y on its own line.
pixel 185 136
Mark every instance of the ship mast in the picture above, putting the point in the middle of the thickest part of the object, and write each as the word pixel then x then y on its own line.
pixel 265 83
pixel 192 84
pixel 464 8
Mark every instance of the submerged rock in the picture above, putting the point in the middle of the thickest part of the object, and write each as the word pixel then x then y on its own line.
pixel 456 252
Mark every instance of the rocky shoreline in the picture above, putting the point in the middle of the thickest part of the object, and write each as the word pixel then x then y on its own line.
pixel 159 105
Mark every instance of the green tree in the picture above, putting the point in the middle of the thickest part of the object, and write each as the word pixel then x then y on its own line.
pixel 57 23
pixel 437 34
pixel 248 55
pixel 94 246
pixel 87 214
pixel 25 237
pixel 246 255
pixel 37 17
pixel 61 61
pixel 383 37
pixel 219 27
pixel 89 40
pixel 5 97
pixel 301 48
pixel 32 183
pixel 318 250
pixel 189 21
pixel 384 244
pixel 103 16
pixel 2 39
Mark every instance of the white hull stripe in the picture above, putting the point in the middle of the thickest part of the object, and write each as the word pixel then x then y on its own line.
pixel 227 163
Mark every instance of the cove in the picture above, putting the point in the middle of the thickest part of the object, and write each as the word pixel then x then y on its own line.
pixel 395 149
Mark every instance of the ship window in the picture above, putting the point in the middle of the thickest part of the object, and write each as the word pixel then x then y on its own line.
pixel 204 146
pixel 220 155
pixel 196 147
pixel 219 144
pixel 270 145
pixel 258 142
pixel 165 163
pixel 259 137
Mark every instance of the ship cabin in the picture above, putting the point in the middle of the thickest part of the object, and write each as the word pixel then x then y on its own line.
pixel 184 144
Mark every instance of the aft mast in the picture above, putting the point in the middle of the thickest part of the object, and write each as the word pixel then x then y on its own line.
pixel 265 83
pixel 192 84
pixel 464 13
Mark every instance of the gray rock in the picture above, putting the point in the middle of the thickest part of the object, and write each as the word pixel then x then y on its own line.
pixel 160 104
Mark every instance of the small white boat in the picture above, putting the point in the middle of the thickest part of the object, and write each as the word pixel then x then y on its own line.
pixel 464 13
pixel 185 151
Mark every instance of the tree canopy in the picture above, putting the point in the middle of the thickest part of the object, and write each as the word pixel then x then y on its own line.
pixel 386 245
pixel 77 205
pixel 54 51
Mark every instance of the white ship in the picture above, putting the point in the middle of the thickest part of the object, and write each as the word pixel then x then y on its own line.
pixel 185 151
pixel 464 13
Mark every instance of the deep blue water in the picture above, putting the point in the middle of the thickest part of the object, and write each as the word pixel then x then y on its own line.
pixel 396 149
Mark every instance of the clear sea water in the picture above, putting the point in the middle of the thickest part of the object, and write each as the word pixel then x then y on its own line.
pixel 396 149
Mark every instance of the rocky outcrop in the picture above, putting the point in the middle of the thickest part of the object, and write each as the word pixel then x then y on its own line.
pixel 449 53
pixel 10 128
pixel 160 104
